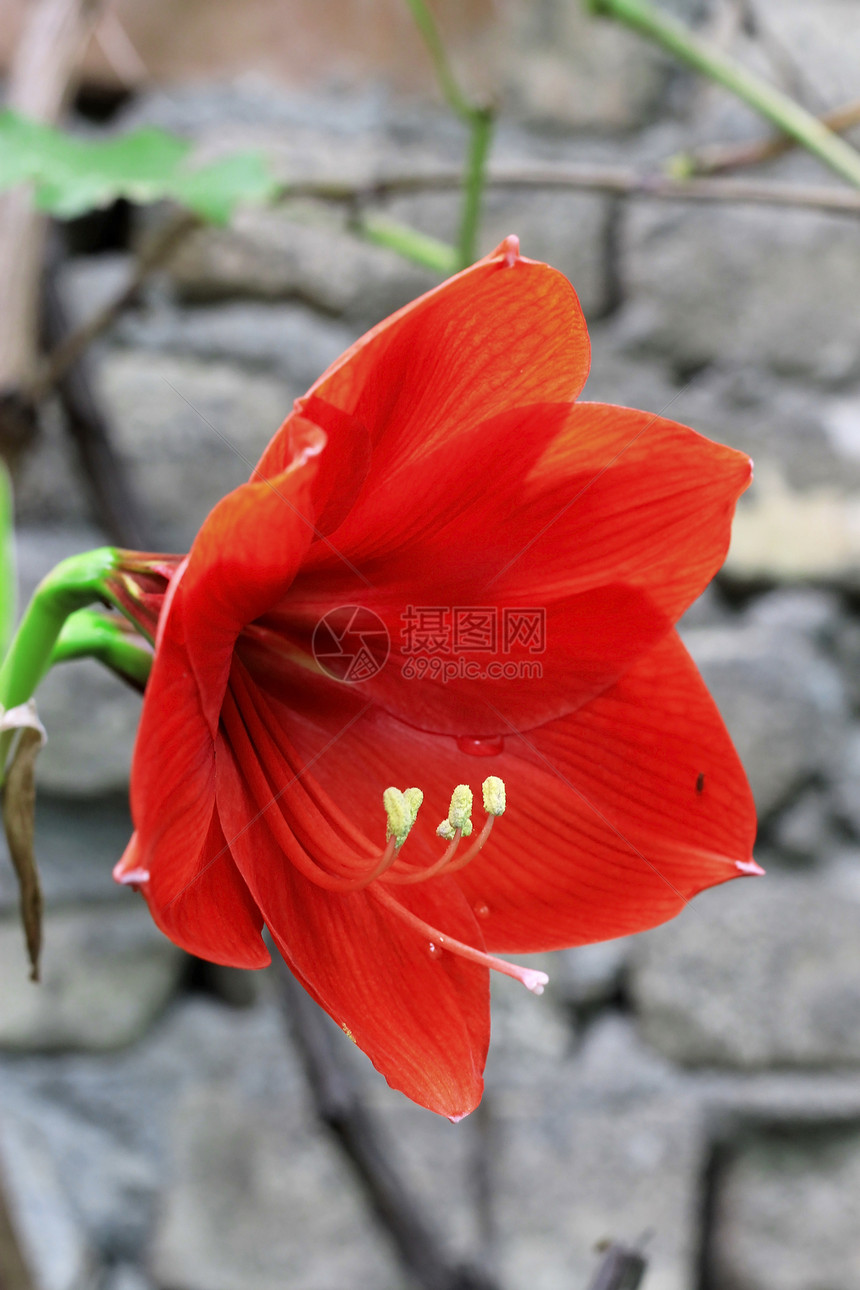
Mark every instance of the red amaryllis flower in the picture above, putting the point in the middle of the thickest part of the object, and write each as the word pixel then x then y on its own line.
pixel 526 556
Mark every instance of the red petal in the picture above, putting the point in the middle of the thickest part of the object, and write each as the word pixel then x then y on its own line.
pixel 606 830
pixel 495 336
pixel 242 562
pixel 606 520
pixel 423 1019
pixel 194 890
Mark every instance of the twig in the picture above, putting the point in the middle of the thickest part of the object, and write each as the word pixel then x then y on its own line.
pixel 759 94
pixel 717 157
pixel 621 1269
pixel 614 180
pixel 340 1108
pixel 157 252
pixel 114 500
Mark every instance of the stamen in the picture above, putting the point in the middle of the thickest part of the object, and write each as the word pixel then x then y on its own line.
pixel 423 874
pixel 447 831
pixel 531 978
pixel 493 790
pixel 460 810
pixel 472 851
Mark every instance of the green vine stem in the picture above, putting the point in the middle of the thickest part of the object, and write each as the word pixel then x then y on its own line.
pixel 479 120
pixel 770 102
pixel 481 123
pixel 420 248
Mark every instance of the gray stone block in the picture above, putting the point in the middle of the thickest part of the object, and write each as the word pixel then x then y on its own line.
pixel 91 717
pixel 787 1211
pixel 58 1254
pixel 822 41
pixel 607 1145
pixel 291 341
pixel 714 284
pixel 106 974
pixel 272 255
pixel 782 700
pixel 755 974
pixel 189 431
pixel 242 1209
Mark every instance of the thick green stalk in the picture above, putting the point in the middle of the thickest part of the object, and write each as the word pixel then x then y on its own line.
pixel 73 584
pixel 777 107
pixel 90 634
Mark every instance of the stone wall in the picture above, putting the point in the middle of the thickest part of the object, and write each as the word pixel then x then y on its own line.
pixel 698 1086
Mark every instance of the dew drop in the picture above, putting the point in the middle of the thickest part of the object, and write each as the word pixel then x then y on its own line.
pixel 490 746
pixel 482 910
pixel 433 950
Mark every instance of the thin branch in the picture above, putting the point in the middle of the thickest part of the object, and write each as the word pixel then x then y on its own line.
pixel 753 90
pixel 364 1143
pixel 614 180
pixel 114 500
pixel 718 157
pixel 158 251
pixel 619 181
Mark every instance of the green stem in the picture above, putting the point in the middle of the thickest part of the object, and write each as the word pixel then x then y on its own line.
pixel 422 249
pixel 73 584
pixel 481 124
pixel 777 107
pixel 426 24
pixel 8 580
pixel 90 634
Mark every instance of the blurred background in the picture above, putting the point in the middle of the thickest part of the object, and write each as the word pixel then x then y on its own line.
pixel 696 1088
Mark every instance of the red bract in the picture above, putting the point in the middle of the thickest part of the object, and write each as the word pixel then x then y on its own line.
pixel 442 464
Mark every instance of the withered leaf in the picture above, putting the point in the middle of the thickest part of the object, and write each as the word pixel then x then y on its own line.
pixel 19 811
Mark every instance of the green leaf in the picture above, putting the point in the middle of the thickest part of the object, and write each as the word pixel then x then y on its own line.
pixel 72 175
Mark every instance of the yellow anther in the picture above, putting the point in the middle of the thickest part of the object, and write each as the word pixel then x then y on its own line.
pixel 494 795
pixel 460 810
pixel 401 812
pixel 413 798
pixel 446 830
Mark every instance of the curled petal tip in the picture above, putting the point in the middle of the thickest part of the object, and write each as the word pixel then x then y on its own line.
pixel 750 867
pixel 508 250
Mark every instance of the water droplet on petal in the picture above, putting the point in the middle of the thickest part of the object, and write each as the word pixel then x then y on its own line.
pixel 490 746
pixel 482 910
pixel 433 950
